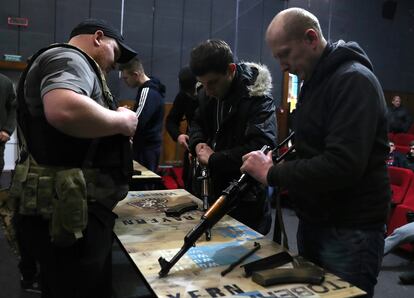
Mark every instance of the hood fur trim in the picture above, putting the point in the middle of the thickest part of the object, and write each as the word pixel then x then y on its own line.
pixel 263 84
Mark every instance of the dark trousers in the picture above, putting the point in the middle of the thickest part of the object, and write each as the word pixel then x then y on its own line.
pixel 351 254
pixel 27 262
pixel 149 158
pixel 82 270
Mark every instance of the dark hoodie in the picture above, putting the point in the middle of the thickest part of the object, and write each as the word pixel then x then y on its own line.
pixel 339 177
pixel 148 134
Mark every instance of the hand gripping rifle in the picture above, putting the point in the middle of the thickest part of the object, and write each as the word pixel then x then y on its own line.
pixel 224 204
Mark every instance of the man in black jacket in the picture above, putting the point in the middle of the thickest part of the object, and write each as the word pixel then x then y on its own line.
pixel 236 114
pixel 399 119
pixel 149 107
pixel 339 182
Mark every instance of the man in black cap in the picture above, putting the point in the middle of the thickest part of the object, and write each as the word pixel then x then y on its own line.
pixel 76 161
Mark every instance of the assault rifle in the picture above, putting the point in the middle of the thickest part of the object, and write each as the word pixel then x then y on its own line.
pixel 224 204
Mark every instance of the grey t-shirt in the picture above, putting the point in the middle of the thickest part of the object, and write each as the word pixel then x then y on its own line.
pixel 60 68
pixel 57 68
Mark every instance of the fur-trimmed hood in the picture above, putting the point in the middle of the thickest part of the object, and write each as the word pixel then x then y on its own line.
pixel 257 77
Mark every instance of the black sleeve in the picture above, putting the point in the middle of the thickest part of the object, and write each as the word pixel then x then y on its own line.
pixel 197 129
pixel 407 121
pixel 153 104
pixel 175 117
pixel 351 124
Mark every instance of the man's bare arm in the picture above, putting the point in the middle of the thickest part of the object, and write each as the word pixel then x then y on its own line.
pixel 80 116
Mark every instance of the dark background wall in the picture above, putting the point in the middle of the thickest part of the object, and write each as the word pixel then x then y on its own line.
pixel 164 31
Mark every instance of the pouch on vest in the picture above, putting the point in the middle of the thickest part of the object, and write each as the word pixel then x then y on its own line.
pixel 45 196
pixel 70 213
pixel 16 188
pixel 28 198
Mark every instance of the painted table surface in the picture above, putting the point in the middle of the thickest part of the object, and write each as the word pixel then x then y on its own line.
pixel 145 173
pixel 146 234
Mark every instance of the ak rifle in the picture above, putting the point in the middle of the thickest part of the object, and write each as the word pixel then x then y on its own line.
pixel 224 204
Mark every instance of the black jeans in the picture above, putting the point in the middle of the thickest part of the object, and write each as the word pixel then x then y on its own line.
pixel 351 254
pixel 82 270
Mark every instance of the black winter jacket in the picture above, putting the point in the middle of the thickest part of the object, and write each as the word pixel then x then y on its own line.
pixel 399 119
pixel 242 122
pixel 340 176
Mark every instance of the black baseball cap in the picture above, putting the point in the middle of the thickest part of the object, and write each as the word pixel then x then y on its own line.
pixel 90 26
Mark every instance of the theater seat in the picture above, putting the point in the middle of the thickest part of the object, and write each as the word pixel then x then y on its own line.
pixel 403 139
pixel 402 149
pixel 171 176
pixel 391 136
pixel 400 180
pixel 411 129
pixel 399 219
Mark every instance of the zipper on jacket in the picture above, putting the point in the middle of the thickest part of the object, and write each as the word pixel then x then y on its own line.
pixel 219 117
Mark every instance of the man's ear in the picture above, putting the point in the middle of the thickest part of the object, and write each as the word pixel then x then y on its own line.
pixel 98 37
pixel 136 74
pixel 311 36
pixel 232 67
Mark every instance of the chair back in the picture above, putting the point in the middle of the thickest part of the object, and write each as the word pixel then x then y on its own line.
pixel 403 139
pixel 400 180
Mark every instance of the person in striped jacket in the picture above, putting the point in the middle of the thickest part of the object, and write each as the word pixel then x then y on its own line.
pixel 149 107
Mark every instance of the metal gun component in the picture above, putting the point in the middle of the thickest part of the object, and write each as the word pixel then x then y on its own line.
pixel 269 262
pixel 205 194
pixel 312 275
pixel 178 210
pixel 239 261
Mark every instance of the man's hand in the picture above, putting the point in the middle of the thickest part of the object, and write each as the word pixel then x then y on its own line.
pixel 203 153
pixel 130 122
pixel 4 136
pixel 183 140
pixel 257 165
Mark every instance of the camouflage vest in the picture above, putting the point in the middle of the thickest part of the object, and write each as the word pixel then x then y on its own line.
pixel 58 194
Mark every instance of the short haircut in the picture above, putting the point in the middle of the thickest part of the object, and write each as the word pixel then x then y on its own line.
pixel 297 20
pixel 133 65
pixel 187 79
pixel 212 55
pixel 411 143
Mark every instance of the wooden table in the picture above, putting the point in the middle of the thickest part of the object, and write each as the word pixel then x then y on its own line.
pixel 146 234
pixel 145 180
